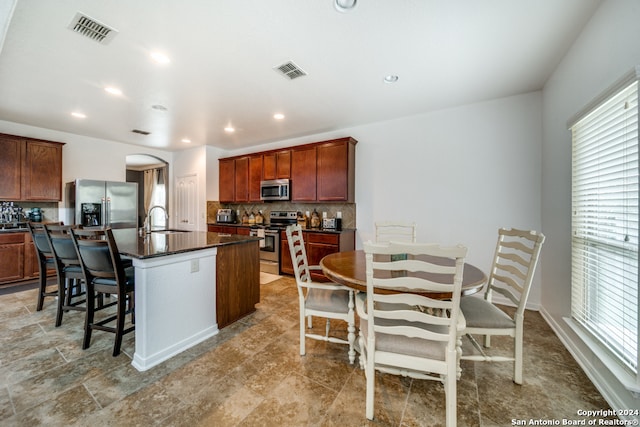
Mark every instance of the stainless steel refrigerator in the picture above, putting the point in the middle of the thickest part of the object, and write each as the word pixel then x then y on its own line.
pixel 102 203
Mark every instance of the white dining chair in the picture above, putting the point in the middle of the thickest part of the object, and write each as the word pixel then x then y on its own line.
pixel 514 264
pixel 406 333
pixel 400 231
pixel 327 299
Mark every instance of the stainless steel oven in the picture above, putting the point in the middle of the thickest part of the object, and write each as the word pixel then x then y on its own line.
pixel 269 249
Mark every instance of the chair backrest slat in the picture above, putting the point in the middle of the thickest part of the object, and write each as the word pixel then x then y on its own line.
pixel 514 263
pixel 433 269
pixel 401 231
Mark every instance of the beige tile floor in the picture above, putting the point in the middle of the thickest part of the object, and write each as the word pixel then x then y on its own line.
pixel 251 374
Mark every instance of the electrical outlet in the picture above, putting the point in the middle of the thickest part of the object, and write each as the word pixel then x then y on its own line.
pixel 195 265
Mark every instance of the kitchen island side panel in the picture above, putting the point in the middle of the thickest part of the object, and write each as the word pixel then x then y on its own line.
pixel 237 281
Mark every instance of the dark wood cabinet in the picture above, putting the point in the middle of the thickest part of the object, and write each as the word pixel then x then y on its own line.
pixel 11 166
pixel 255 176
pixel 42 171
pixel 317 244
pixel 11 257
pixel 277 165
pixel 237 281
pixel 319 172
pixel 227 180
pixel 31 169
pixel 303 174
pixel 336 171
pixel 242 180
pixel 226 229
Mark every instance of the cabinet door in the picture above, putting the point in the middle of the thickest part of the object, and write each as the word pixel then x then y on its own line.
pixel 286 265
pixel 277 165
pixel 269 166
pixel 283 164
pixel 242 179
pixel 255 176
pixel 10 165
pixel 11 257
pixel 42 171
pixel 303 174
pixel 227 180
pixel 333 171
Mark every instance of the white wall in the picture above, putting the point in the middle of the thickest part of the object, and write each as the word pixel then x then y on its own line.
pixel 608 47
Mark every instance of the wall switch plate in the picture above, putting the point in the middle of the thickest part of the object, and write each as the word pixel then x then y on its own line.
pixel 195 265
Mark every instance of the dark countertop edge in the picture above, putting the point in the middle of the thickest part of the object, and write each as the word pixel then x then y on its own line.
pixel 13 230
pixel 181 251
pixel 311 230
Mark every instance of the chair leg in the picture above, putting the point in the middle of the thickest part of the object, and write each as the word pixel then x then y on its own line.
pixel 370 375
pixel 42 277
pixel 518 353
pixel 62 292
pixel 450 397
pixel 303 350
pixel 120 317
pixel 88 319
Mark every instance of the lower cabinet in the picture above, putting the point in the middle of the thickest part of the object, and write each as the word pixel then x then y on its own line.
pixel 318 244
pixel 18 258
pixel 11 257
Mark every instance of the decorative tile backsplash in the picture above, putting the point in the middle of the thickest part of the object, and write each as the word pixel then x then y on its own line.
pixel 348 210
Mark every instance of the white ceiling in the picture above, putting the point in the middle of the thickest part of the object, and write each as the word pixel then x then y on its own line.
pixel 445 52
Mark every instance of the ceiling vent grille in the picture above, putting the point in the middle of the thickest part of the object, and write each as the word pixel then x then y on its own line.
pixel 290 70
pixel 141 132
pixel 92 29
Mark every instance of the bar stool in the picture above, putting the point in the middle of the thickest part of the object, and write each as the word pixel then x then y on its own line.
pixel 104 272
pixel 68 269
pixel 45 260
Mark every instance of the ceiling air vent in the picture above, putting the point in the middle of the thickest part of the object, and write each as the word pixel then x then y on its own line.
pixel 141 132
pixel 290 70
pixel 92 29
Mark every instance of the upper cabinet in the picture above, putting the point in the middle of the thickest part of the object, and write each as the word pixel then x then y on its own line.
pixel 319 172
pixel 277 165
pixel 303 174
pixel 227 180
pixel 32 169
pixel 336 166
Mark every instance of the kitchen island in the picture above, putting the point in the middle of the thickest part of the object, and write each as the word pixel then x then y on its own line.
pixel 188 284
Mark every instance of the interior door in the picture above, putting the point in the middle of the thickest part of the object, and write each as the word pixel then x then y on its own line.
pixel 187 202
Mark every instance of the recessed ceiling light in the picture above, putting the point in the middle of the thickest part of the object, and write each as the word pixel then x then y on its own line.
pixel 344 5
pixel 160 58
pixel 229 129
pixel 113 90
pixel 186 140
pixel 278 116
pixel 79 115
pixel 390 79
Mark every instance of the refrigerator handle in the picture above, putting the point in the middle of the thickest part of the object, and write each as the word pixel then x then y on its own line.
pixel 108 224
pixel 103 216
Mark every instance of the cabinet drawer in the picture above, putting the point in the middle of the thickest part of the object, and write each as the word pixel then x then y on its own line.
pixel 331 239
pixel 10 238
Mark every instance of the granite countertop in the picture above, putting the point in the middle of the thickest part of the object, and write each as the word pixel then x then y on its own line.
pixel 160 243
pixel 312 230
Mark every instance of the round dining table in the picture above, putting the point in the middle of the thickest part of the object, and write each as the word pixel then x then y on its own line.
pixel 349 269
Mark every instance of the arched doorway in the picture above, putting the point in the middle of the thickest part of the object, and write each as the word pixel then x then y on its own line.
pixel 152 175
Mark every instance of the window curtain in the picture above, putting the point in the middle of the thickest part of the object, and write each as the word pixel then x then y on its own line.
pixel 155 194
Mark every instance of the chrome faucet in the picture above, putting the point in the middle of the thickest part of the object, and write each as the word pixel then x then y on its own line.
pixel 148 219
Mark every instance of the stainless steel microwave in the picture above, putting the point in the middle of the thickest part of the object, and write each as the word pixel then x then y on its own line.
pixel 277 189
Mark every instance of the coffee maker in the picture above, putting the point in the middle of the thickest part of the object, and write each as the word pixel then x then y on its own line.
pixel 91 214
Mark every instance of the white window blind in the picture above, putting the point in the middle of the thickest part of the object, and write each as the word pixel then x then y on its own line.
pixel 605 224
